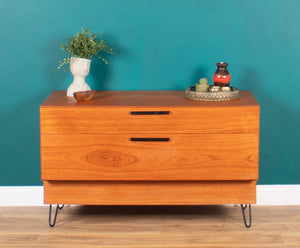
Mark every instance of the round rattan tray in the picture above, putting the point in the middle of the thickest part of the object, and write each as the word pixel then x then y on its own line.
pixel 190 93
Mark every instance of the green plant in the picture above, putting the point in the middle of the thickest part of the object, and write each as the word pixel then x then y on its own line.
pixel 84 45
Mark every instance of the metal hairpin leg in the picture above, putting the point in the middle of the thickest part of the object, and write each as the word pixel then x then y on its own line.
pixel 244 206
pixel 60 207
pixel 55 215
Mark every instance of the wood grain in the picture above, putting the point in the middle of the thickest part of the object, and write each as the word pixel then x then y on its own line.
pixel 150 193
pixel 144 98
pixel 150 226
pixel 180 120
pixel 88 157
pixel 115 157
pixel 110 113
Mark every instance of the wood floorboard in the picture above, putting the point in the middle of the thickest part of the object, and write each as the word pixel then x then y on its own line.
pixel 150 226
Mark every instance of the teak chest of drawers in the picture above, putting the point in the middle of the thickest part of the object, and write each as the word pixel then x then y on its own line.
pixel 149 148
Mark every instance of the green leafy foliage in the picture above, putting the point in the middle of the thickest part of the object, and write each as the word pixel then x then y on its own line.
pixel 84 45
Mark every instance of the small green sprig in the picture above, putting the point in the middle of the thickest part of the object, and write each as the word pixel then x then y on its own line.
pixel 84 45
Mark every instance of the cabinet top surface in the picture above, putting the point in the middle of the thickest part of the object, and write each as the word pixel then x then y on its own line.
pixel 144 99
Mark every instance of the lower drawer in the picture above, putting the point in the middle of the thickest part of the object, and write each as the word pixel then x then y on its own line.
pixel 149 157
pixel 150 193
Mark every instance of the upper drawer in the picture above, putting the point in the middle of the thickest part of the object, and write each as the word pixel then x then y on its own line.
pixel 98 119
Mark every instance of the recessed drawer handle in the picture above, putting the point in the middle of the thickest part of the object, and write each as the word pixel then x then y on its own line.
pixel 150 139
pixel 150 112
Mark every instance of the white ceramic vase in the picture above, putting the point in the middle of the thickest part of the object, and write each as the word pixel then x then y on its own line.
pixel 80 68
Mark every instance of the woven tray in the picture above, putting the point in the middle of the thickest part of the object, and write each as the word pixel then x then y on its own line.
pixel 190 93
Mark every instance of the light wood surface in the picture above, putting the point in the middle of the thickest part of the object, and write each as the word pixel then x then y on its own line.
pixel 148 227
pixel 150 193
pixel 183 157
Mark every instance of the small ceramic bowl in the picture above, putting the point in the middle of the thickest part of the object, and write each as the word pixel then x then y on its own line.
pixel 84 95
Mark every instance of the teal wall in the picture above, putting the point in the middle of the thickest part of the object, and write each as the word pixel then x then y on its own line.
pixel 160 45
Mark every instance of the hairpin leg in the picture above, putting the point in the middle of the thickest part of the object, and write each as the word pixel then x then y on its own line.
pixel 60 207
pixel 52 224
pixel 244 206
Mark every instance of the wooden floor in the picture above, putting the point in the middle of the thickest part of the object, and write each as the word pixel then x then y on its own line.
pixel 149 226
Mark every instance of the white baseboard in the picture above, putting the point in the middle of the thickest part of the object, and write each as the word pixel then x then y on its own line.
pixel 22 196
pixel 278 194
pixel 266 195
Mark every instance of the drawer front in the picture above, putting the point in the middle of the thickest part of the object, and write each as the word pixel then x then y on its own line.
pixel 150 120
pixel 149 156
pixel 150 193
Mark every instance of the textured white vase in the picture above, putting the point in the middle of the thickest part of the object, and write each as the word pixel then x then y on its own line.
pixel 80 68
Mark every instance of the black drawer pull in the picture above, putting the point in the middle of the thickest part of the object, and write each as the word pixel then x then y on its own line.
pixel 150 139
pixel 150 112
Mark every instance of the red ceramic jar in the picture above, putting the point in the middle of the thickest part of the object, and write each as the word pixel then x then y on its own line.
pixel 221 76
